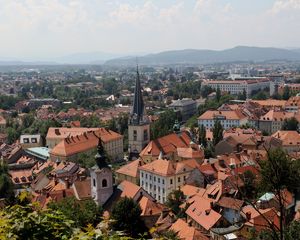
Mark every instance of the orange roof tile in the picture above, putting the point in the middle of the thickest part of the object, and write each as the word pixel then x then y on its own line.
pixel 129 189
pixel 150 207
pixel 229 115
pixel 84 142
pixel 166 167
pixel 288 137
pixel 130 169
pixel 166 144
pixel 186 232
pixel 201 212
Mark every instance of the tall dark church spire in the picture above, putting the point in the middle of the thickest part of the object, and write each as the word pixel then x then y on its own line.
pixel 138 103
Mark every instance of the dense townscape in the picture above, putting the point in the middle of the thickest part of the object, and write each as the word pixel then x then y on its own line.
pixel 150 152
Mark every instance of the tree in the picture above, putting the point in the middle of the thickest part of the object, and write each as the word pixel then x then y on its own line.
pixel 6 185
pixel 81 212
pixel 202 136
pixel 290 124
pixel 286 93
pixel 127 217
pixel 31 222
pixel 278 173
pixel 243 96
pixel 217 132
pixel 218 95
pixel 164 124
pixel 174 200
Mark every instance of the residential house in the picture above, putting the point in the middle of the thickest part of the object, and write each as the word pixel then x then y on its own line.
pixel 290 140
pixel 161 177
pixel 273 120
pixel 231 209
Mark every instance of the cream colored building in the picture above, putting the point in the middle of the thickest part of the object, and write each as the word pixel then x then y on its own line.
pixel 161 177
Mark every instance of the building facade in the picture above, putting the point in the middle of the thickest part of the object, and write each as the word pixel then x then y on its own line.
pixel 161 177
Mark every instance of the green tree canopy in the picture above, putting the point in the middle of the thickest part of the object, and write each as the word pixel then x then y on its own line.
pixel 81 213
pixel 127 217
pixel 6 185
pixel 217 132
pixel 174 200
pixel 290 124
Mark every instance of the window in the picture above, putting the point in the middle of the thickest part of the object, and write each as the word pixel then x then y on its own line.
pixel 142 183
pixel 146 176
pixel 150 186
pixel 158 179
pixel 94 182
pixel 150 177
pixel 154 179
pixel 163 190
pixel 184 178
pixel 145 135
pixel 159 189
pixel 26 140
pixel 142 174
pixel 104 183
pixel 134 135
pixel 171 181
pixel 33 140
pixel 154 187
pixel 179 179
pixel 163 181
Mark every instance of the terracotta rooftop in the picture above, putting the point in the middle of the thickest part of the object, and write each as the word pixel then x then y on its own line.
pixel 130 169
pixel 231 203
pixel 200 211
pixel 167 144
pixel 80 143
pixel 150 207
pixel 288 137
pixel 228 115
pixel 186 232
pixel 166 167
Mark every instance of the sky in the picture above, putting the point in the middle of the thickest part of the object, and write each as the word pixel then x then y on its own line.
pixel 43 29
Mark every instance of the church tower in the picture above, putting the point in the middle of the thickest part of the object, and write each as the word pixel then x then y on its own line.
pixel 101 177
pixel 138 125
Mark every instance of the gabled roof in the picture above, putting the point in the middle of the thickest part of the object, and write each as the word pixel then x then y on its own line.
pixel 166 167
pixel 167 144
pixel 130 169
pixel 84 142
pixel 150 207
pixel 186 232
pixel 231 203
pixel 202 213
pixel 288 137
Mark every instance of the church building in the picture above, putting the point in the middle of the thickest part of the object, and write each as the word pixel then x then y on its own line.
pixel 138 125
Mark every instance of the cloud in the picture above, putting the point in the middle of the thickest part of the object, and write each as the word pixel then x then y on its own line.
pixel 285 5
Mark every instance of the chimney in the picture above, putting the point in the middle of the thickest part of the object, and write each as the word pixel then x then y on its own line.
pixel 211 205
pixel 248 216
pixel 207 211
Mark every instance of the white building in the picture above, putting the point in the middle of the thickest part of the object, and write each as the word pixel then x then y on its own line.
pixel 161 177
pixel 238 86
pixel 228 119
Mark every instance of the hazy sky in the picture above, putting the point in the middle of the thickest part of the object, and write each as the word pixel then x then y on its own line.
pixel 47 28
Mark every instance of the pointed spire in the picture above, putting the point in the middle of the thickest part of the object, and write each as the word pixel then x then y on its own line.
pixel 100 157
pixel 138 103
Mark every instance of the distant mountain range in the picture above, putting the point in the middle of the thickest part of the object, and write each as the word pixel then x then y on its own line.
pixel 187 56
pixel 194 56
